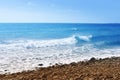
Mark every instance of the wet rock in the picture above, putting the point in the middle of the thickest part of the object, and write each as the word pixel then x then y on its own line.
pixel 92 59
pixel 5 70
pixel 40 64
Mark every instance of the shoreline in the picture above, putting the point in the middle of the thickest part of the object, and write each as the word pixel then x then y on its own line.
pixel 93 69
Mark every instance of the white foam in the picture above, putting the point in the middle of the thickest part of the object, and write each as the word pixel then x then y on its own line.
pixel 19 55
pixel 86 38
pixel 83 37
pixel 39 43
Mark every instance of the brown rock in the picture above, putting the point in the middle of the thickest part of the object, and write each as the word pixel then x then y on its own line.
pixel 103 69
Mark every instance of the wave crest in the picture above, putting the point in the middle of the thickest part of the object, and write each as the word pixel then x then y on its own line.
pixel 46 43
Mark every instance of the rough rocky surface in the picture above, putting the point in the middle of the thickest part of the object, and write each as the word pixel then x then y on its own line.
pixel 102 69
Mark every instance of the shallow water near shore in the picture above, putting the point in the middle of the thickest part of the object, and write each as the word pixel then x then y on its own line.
pixel 25 46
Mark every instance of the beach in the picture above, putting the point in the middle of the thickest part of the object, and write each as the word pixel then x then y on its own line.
pixel 93 69
pixel 59 40
pixel 59 51
pixel 23 46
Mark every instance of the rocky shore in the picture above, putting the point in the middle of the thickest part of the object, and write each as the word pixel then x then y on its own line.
pixel 93 69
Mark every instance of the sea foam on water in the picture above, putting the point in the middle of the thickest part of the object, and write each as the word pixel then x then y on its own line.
pixel 19 55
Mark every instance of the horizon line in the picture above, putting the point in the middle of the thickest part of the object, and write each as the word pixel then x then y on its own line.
pixel 59 23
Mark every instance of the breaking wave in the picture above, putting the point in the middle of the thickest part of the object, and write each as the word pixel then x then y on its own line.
pixel 45 43
pixel 19 55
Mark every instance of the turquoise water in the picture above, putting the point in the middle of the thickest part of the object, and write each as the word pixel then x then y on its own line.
pixel 29 44
pixel 41 31
pixel 107 33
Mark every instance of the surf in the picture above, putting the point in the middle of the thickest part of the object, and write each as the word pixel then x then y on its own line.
pixel 27 45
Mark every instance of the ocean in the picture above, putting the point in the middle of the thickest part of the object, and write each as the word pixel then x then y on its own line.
pixel 23 46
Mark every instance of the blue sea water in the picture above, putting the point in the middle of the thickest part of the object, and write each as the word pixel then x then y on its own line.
pixel 25 45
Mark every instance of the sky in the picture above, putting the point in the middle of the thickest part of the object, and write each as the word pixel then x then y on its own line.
pixel 60 11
